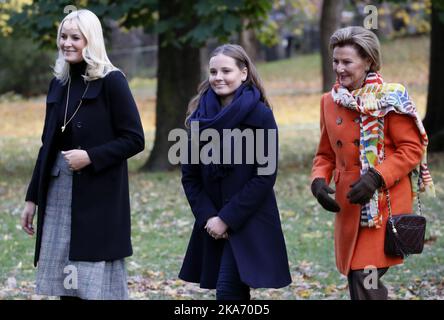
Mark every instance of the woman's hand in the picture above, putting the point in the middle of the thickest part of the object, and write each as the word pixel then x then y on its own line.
pixel 77 159
pixel 217 228
pixel 321 191
pixel 27 217
pixel 362 190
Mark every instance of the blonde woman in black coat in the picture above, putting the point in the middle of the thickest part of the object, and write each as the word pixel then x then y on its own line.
pixel 80 180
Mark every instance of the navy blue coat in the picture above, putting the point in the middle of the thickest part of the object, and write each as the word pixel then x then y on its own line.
pixel 108 127
pixel 246 202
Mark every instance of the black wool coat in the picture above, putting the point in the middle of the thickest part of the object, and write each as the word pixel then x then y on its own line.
pixel 108 127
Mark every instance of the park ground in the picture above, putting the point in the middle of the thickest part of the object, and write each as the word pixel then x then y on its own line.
pixel 162 220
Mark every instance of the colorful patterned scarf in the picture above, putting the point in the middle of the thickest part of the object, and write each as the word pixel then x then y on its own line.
pixel 373 101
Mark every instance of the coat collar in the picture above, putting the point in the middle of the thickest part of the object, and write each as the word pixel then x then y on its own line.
pixel 56 91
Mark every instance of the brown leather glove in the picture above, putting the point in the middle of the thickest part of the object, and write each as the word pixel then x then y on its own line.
pixel 320 190
pixel 363 189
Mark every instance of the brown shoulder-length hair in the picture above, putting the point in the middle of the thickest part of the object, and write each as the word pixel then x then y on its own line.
pixel 242 61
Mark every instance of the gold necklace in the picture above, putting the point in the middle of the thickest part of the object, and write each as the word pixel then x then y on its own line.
pixel 66 106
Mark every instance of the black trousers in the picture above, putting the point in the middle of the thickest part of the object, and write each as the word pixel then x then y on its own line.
pixel 229 285
pixel 367 285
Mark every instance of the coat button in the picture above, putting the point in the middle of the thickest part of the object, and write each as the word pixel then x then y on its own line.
pixel 357 119
pixel 338 120
pixel 339 144
pixel 78 124
pixel 356 142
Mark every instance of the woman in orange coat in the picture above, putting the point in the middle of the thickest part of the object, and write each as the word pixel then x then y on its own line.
pixel 372 139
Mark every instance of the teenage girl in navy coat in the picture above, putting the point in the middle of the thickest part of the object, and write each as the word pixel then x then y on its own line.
pixel 237 241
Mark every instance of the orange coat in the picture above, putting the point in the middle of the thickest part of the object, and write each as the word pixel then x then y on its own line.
pixel 360 247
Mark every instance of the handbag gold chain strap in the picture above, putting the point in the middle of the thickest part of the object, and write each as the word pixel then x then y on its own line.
pixel 389 206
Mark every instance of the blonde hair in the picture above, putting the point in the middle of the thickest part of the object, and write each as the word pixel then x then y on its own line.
pixel 242 61
pixel 363 40
pixel 94 53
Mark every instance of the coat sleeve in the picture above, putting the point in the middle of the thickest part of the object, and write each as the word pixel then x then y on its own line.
pixel 406 138
pixel 248 200
pixel 324 161
pixel 201 205
pixel 32 191
pixel 130 138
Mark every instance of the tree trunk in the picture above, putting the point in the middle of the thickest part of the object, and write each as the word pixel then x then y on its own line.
pixel 330 22
pixel 248 40
pixel 178 75
pixel 433 121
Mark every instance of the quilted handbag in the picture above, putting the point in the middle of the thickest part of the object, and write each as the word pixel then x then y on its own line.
pixel 404 233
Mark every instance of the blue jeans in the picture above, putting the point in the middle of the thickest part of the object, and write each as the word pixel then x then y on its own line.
pixel 229 285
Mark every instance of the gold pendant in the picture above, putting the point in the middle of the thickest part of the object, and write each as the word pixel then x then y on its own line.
pixel 63 128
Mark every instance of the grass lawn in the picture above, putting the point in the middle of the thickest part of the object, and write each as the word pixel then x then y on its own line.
pixel 161 217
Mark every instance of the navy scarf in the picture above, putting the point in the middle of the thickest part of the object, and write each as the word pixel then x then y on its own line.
pixel 211 114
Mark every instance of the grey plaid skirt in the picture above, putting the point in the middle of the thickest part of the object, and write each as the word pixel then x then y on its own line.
pixel 56 274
